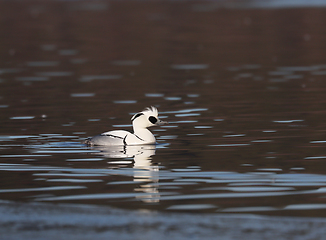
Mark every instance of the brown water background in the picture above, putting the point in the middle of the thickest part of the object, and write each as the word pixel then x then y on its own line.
pixel 243 89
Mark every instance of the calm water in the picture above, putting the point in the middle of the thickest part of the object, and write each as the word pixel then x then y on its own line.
pixel 242 88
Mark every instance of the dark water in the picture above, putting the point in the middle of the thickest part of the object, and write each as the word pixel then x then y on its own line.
pixel 243 90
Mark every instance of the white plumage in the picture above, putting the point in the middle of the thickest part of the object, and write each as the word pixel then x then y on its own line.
pixel 141 135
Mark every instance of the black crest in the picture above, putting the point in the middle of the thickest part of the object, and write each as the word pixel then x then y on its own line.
pixel 136 116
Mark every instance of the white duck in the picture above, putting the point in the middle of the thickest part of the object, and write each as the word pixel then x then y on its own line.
pixel 140 122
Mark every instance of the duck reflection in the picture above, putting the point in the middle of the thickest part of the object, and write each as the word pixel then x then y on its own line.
pixel 144 171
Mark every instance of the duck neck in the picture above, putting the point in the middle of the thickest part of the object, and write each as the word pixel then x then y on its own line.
pixel 144 134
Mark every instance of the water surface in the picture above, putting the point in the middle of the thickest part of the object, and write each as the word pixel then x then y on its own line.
pixel 242 88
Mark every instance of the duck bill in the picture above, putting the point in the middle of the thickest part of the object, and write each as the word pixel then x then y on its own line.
pixel 160 122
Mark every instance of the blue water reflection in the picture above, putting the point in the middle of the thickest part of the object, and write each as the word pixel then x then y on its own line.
pixel 139 178
pixel 258 4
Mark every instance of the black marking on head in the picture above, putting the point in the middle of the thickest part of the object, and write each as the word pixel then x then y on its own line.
pixel 152 119
pixel 136 116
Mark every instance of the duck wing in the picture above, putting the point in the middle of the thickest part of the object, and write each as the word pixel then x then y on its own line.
pixel 111 138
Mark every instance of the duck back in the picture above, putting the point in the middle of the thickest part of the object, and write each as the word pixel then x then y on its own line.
pixel 111 138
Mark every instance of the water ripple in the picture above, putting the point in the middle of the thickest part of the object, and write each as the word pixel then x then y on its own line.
pixel 54 188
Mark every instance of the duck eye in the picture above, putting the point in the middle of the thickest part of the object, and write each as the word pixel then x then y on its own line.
pixel 152 119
